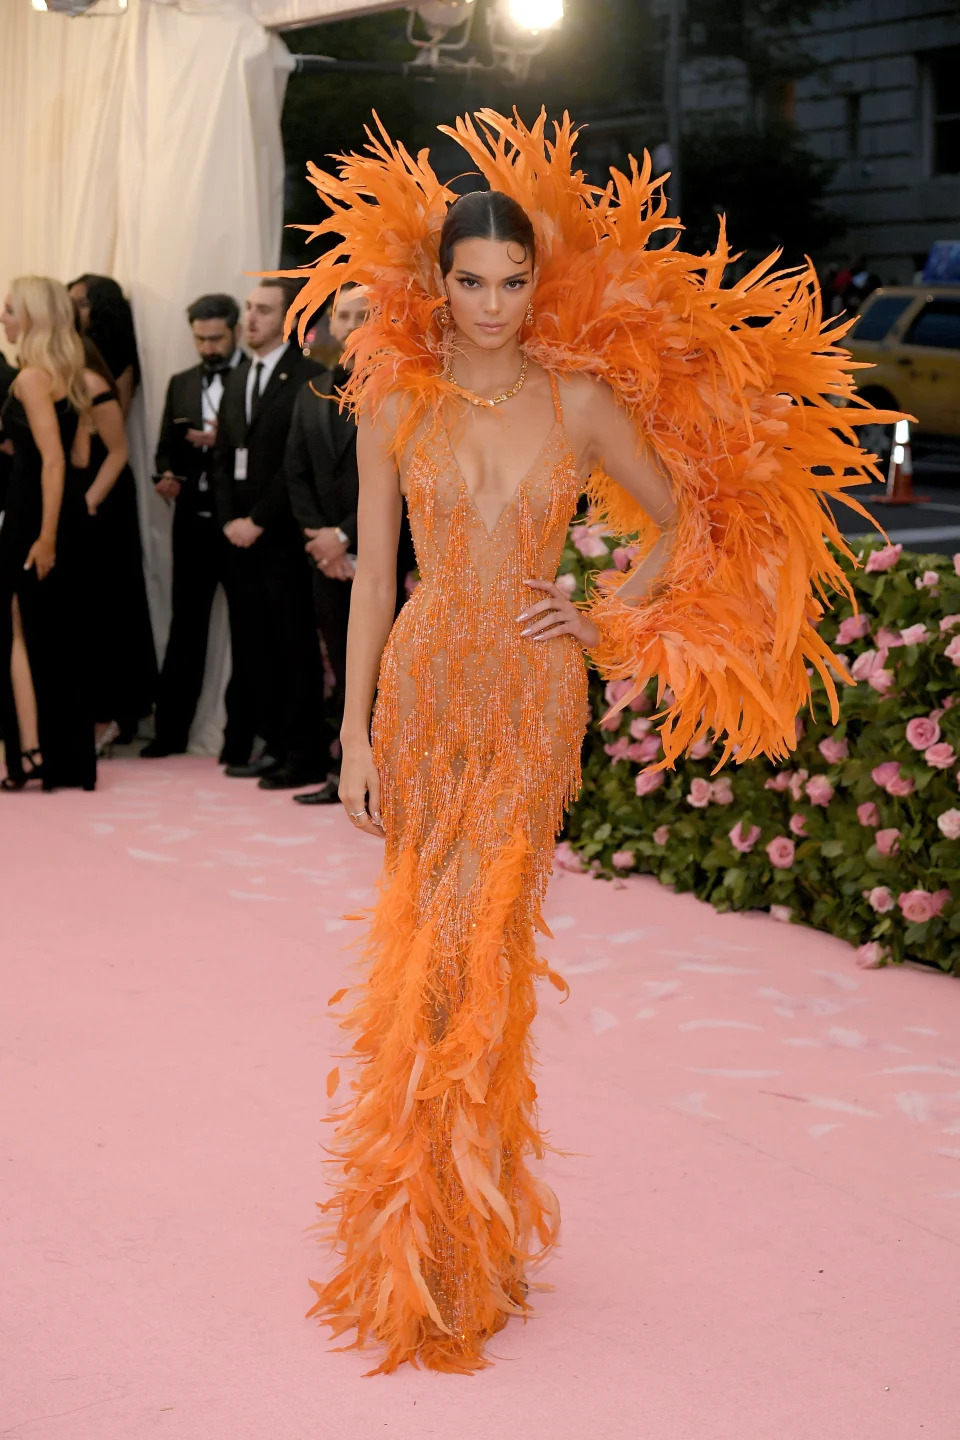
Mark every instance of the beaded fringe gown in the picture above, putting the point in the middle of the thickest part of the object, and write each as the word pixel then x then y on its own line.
pixel 436 1215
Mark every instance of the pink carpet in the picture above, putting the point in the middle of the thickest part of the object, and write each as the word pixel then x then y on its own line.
pixel 761 1203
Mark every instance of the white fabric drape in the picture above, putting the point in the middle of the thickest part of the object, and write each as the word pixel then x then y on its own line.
pixel 146 147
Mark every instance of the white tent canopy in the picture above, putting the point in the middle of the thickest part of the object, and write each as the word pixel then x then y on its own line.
pixel 146 145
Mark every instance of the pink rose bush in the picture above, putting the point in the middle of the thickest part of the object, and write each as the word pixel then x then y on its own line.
pixel 855 830
pixel 589 540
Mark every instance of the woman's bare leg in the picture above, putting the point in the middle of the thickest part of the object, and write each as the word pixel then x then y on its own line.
pixel 23 693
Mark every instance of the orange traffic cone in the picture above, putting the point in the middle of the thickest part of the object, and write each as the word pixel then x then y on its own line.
pixel 900 489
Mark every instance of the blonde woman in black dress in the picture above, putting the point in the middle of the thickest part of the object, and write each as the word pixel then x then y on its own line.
pixel 46 713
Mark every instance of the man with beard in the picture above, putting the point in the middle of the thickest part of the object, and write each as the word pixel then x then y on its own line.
pixel 200 550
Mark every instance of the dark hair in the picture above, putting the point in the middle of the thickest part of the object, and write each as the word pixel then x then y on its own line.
pixel 111 324
pixel 290 286
pixel 215 307
pixel 485 215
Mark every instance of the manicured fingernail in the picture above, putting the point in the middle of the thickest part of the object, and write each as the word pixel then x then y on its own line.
pixel 521 617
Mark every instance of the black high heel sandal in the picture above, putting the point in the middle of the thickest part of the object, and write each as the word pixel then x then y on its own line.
pixel 31 768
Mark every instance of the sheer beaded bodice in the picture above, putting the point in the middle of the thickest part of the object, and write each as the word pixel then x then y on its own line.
pixel 476 734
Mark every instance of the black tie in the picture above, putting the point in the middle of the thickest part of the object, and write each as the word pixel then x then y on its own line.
pixel 255 396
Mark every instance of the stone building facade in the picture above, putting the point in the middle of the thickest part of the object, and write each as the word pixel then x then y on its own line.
pixel 883 106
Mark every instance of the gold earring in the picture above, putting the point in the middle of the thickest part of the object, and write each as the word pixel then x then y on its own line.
pixel 443 314
pixel 529 317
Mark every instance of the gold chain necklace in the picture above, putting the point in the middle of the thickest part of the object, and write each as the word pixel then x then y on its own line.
pixel 481 399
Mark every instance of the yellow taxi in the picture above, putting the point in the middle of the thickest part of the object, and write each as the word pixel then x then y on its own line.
pixel 911 335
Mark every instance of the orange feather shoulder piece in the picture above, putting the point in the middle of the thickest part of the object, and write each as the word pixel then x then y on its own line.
pixel 741 392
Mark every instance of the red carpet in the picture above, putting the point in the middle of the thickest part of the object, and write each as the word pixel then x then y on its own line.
pixel 761 1210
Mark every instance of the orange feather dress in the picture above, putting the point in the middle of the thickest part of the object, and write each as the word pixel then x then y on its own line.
pixel 436 1215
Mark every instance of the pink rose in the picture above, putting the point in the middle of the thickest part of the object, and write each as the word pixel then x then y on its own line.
pixel 941 756
pixel 949 701
pixel 855 627
pixel 648 781
pixel 721 792
pixel 952 651
pixel 868 814
pixel 940 899
pixel 888 841
pixel 819 790
pixel 872 955
pixel 781 913
pixel 646 749
pixel 567 583
pixel 700 793
pixel 566 858
pixel 866 662
pixel 888 639
pixel 949 622
pixel 798 825
pixel 661 835
pixel 781 852
pixel 799 728
pixel 948 823
pixel 918 906
pixel 623 859
pixel 797 781
pixel 922 732
pixel 880 680
pixel 700 748
pixel 888 777
pixel 928 581
pixel 616 689
pixel 780 781
pixel 640 727
pixel 611 722
pixel 619 750
pixel 744 842
pixel 641 703
pixel 880 898
pixel 883 559
pixel 587 539
pixel 914 634
pixel 833 751
pixel 668 696
pixel 956 564
pixel 622 556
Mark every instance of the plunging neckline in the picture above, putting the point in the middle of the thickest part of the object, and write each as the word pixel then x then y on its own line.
pixel 557 424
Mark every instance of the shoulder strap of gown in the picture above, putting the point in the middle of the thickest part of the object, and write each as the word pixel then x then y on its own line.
pixel 557 407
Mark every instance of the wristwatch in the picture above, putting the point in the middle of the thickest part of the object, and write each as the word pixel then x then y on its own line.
pixel 342 536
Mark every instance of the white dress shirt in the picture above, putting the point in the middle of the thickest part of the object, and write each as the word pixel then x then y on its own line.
pixel 269 363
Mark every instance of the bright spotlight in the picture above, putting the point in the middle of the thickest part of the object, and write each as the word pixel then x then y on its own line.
pixel 39 4
pixel 533 15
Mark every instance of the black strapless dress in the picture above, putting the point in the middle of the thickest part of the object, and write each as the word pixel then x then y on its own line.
pixel 55 612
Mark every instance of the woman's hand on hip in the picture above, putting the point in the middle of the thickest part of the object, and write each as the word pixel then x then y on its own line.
pixel 360 789
pixel 556 615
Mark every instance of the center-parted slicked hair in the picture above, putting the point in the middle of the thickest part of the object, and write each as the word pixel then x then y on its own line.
pixel 485 215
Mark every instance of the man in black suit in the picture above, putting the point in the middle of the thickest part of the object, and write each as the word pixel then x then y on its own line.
pixel 200 551
pixel 269 585
pixel 322 480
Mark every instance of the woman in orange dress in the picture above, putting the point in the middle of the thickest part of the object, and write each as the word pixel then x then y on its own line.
pixel 524 343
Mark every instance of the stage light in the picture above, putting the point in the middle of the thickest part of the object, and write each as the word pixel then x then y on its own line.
pixel 533 15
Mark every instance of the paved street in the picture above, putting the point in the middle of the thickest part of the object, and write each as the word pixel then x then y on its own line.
pixel 932 528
